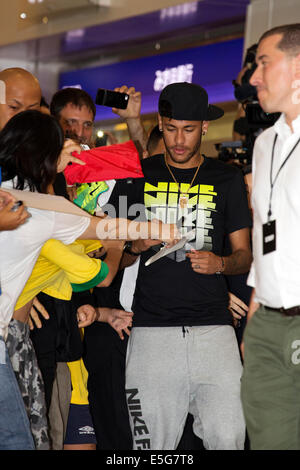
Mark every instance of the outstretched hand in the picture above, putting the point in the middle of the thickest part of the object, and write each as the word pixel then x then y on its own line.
pixel 120 321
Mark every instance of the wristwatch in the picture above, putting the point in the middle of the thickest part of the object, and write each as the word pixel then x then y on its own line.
pixel 223 266
pixel 128 249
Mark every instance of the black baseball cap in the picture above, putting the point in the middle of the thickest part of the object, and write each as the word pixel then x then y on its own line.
pixel 187 102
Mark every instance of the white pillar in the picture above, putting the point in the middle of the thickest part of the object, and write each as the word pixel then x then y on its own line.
pixel 266 14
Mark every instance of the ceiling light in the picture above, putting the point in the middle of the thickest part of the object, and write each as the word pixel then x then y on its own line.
pixel 23 16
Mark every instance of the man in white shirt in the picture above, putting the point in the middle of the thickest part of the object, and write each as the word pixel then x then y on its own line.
pixel 271 379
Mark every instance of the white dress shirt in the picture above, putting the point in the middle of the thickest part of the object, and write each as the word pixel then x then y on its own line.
pixel 276 275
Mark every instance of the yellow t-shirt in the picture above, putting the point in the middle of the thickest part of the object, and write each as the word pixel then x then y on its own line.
pixel 79 376
pixel 59 266
pixel 58 271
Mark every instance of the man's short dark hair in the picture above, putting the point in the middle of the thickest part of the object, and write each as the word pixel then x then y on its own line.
pixel 75 96
pixel 153 140
pixel 290 41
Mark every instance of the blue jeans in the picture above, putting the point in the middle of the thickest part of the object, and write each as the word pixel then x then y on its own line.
pixel 15 431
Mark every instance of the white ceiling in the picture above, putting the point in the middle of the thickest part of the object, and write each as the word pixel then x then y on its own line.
pixel 65 15
pixel 36 9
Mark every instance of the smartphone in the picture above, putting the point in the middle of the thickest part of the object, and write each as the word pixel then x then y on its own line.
pixel 113 99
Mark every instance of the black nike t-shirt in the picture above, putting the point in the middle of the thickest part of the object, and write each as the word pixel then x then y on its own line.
pixel 169 292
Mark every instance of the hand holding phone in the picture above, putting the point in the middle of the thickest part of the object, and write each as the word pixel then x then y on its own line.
pixel 112 99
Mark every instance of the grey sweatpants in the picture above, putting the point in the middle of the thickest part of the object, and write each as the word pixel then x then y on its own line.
pixel 170 373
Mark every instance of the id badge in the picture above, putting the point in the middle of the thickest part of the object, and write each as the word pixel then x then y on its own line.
pixel 269 237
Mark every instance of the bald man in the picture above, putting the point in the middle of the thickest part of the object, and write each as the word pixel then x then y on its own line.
pixel 19 91
pixel 23 92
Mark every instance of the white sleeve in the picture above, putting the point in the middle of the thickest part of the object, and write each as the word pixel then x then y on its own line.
pixel 67 227
pixel 128 285
pixel 104 197
pixel 251 277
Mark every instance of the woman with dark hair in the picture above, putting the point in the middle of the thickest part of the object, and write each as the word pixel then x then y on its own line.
pixel 30 147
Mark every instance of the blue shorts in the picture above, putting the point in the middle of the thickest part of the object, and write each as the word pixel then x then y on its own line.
pixel 80 429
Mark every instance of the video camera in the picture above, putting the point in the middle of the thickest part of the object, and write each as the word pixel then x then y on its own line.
pixel 257 118
pixel 234 151
pixel 255 121
pixel 246 94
